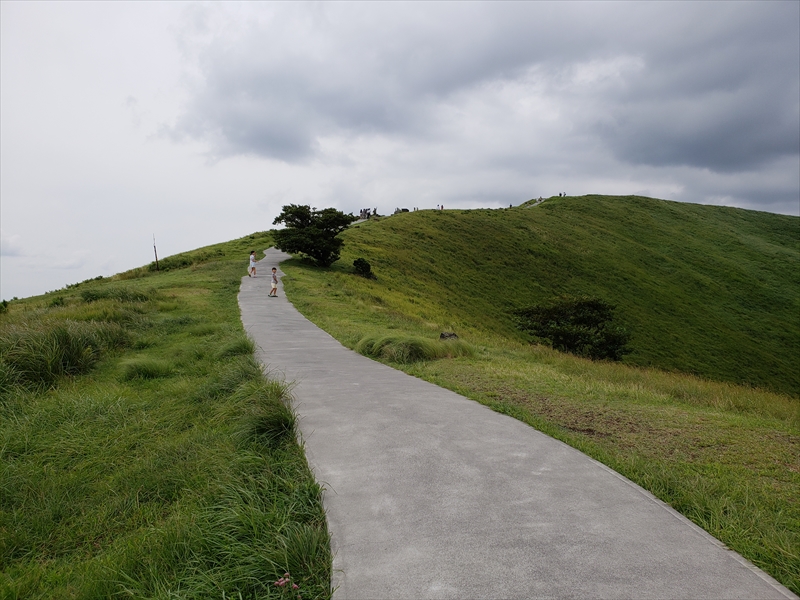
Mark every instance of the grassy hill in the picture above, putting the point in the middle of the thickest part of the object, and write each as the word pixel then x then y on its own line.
pixel 141 467
pixel 707 290
pixel 142 452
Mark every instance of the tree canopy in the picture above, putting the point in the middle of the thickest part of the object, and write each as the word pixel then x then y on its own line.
pixel 312 232
pixel 577 324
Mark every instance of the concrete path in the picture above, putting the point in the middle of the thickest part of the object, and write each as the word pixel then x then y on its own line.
pixel 432 495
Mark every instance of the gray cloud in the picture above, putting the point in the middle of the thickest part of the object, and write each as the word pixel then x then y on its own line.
pixel 725 101
pixel 717 88
pixel 360 70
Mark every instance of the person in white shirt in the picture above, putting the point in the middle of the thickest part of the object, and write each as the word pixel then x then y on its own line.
pixel 274 291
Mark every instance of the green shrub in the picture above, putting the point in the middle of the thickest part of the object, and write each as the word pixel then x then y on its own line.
pixel 363 268
pixel 407 349
pixel 579 325
pixel 145 368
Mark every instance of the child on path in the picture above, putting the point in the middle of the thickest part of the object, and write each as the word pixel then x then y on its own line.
pixel 274 291
pixel 252 271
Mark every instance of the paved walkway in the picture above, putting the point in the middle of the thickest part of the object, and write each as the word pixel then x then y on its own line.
pixel 432 495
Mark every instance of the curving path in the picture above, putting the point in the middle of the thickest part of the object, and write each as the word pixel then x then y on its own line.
pixel 432 495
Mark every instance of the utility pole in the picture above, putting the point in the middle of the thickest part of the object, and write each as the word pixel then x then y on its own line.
pixel 155 251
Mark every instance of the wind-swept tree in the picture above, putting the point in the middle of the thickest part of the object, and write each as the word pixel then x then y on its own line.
pixel 312 232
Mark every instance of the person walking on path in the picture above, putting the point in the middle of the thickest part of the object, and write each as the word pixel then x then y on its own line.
pixel 274 291
pixel 251 272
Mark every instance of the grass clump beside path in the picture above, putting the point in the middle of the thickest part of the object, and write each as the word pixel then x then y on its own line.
pixel 408 348
pixel 36 355
pixel 142 452
pixel 727 456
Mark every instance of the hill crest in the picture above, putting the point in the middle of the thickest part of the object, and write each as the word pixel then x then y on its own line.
pixel 707 290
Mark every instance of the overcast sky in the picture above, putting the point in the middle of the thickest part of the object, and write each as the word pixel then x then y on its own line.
pixel 197 122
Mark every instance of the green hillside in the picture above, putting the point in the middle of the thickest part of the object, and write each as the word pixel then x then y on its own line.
pixel 134 470
pixel 706 290
pixel 142 452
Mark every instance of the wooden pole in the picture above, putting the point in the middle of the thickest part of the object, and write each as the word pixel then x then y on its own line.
pixel 155 251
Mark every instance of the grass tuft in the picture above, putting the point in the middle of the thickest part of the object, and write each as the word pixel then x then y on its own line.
pixel 228 377
pixel 304 547
pixel 242 346
pixel 144 368
pixel 10 379
pixel 37 356
pixel 406 349
pixel 268 420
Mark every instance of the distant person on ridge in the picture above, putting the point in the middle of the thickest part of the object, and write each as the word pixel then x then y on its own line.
pixel 252 270
pixel 274 291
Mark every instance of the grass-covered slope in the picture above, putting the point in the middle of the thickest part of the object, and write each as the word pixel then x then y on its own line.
pixel 142 452
pixel 726 456
pixel 706 290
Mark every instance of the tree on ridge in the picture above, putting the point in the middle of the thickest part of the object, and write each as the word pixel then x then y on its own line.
pixel 312 232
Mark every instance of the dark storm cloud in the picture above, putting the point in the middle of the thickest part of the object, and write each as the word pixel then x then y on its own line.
pixel 725 100
pixel 707 85
pixel 362 69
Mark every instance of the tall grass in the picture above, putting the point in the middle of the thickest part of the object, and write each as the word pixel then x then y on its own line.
pixel 36 355
pixel 241 346
pixel 121 294
pixel 267 419
pixel 145 368
pixel 157 461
